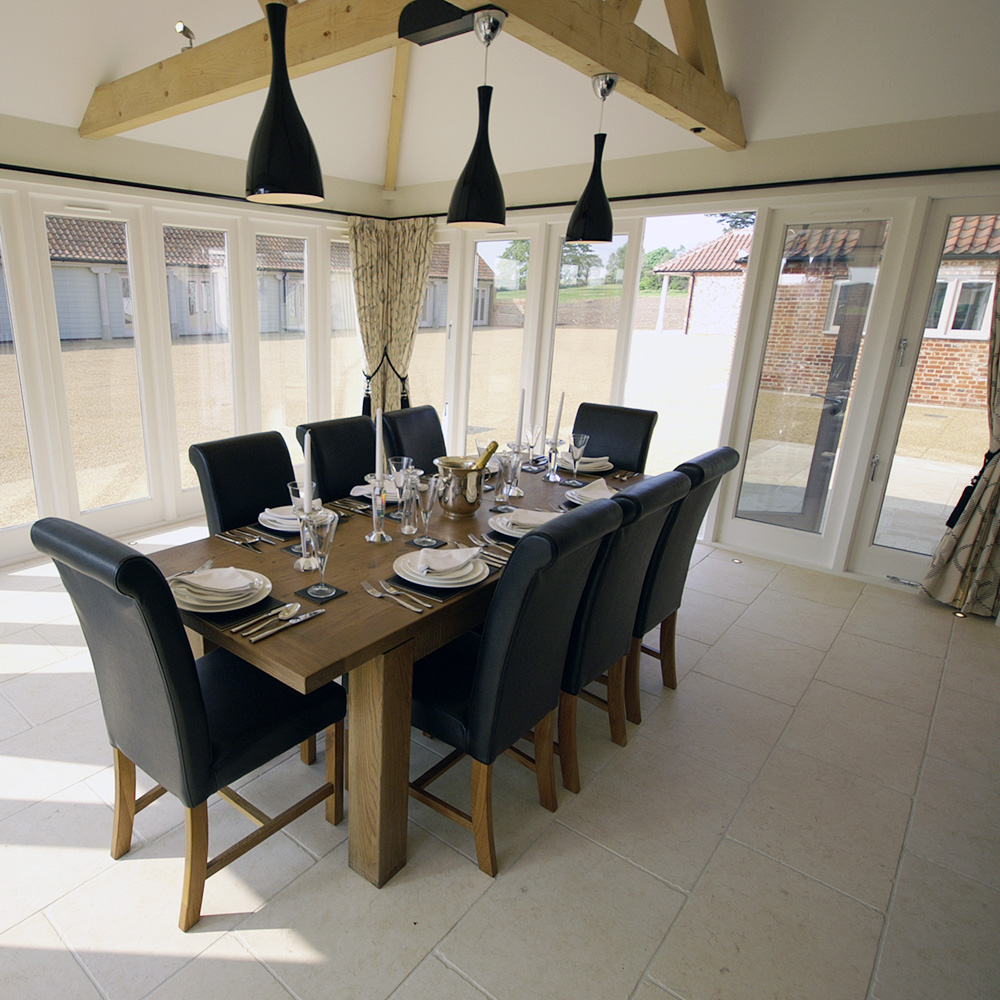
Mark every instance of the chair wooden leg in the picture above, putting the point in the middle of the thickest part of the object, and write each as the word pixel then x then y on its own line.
pixel 307 750
pixel 616 703
pixel 633 712
pixel 195 864
pixel 482 817
pixel 335 771
pixel 545 767
pixel 121 837
pixel 668 664
pixel 569 761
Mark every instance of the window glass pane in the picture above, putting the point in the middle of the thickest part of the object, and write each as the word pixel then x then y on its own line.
pixel 937 303
pixel 201 356
pixel 281 298
pixel 347 380
pixel 497 334
pixel 426 376
pixel 808 373
pixel 89 261
pixel 590 297
pixel 971 308
pixel 687 313
pixel 17 491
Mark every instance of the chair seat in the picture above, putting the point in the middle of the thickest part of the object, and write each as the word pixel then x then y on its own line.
pixel 442 691
pixel 252 718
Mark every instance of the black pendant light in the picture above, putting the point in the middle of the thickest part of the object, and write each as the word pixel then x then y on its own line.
pixel 477 201
pixel 282 168
pixel 591 221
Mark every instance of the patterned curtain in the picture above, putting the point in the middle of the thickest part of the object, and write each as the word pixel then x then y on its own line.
pixel 391 260
pixel 965 570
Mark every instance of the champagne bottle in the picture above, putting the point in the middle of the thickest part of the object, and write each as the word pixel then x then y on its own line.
pixel 486 455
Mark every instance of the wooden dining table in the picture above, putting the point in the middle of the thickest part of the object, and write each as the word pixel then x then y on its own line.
pixel 375 641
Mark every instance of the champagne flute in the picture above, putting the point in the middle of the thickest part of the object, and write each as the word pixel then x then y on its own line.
pixel 532 435
pixel 297 490
pixel 425 499
pixel 577 443
pixel 552 476
pixel 318 528
pixel 398 466
pixel 510 462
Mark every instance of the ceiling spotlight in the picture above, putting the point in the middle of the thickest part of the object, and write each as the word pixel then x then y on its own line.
pixel 182 29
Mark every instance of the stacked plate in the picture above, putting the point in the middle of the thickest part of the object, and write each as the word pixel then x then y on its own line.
pixel 473 570
pixel 589 466
pixel 520 522
pixel 224 589
pixel 597 490
pixel 283 518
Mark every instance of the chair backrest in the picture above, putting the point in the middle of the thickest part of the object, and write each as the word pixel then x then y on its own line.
pixel 343 453
pixel 526 635
pixel 146 675
pixel 620 432
pixel 602 632
pixel 416 432
pixel 240 476
pixel 668 567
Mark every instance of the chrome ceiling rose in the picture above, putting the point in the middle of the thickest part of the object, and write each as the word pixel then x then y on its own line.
pixel 488 24
pixel 604 84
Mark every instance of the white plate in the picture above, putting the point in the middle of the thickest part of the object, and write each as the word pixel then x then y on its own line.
pixel 262 589
pixel 499 523
pixel 461 574
pixel 403 564
pixel 274 525
pixel 586 468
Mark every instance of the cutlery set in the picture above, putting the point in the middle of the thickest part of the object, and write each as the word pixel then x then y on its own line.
pixel 248 539
pixel 402 602
pixel 622 475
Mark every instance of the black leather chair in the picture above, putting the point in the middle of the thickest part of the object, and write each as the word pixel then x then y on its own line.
pixel 483 692
pixel 415 432
pixel 194 726
pixel 343 453
pixel 663 587
pixel 602 632
pixel 240 476
pixel 620 432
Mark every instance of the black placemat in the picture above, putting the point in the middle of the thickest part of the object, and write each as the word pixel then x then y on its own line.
pixel 226 619
pixel 337 592
pixel 295 550
pixel 438 543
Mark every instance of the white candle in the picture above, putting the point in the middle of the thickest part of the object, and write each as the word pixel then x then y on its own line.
pixel 379 461
pixel 555 432
pixel 308 496
pixel 520 422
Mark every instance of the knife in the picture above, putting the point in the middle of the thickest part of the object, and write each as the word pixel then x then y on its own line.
pixel 288 624
pixel 234 541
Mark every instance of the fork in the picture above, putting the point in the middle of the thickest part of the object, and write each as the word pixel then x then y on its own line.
pixel 250 536
pixel 369 589
pixel 505 549
pixel 190 572
pixel 393 592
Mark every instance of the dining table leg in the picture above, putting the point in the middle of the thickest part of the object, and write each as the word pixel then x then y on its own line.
pixel 379 693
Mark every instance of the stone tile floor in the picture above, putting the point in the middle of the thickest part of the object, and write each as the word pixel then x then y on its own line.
pixel 814 813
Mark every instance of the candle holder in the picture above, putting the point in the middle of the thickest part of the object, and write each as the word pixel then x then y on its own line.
pixel 378 534
pixel 552 476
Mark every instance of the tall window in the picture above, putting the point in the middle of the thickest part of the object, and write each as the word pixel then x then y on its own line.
pixel 427 364
pixel 89 262
pixel 281 288
pixel 346 360
pixel 17 492
pixel 198 305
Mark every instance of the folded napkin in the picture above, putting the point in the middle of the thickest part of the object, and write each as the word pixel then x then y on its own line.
pixel 445 562
pixel 586 462
pixel 597 490
pixel 286 515
pixel 391 493
pixel 224 580
pixel 528 519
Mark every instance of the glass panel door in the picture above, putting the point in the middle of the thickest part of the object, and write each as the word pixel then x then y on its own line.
pixel 347 382
pixel 197 278
pixel 281 313
pixel 425 380
pixel 815 336
pixel 945 429
pixel 92 285
pixel 500 293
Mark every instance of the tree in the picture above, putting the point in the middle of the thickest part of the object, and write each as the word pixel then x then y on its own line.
pixel 580 256
pixel 517 251
pixel 649 280
pixel 736 220
pixel 616 265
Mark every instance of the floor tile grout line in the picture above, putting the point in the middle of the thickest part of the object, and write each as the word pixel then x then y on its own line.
pixel 54 924
pixel 449 964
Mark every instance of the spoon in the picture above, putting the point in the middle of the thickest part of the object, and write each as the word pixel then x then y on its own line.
pixel 288 611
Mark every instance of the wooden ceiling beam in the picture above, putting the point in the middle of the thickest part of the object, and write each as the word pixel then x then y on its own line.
pixel 693 39
pixel 320 34
pixel 592 36
pixel 399 74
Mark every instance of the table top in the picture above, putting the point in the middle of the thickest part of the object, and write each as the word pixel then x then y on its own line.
pixel 356 626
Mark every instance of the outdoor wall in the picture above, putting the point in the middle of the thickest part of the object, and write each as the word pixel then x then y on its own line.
pixel 951 373
pixel 715 304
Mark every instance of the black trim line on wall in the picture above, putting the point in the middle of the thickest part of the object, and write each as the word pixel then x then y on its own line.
pixel 764 186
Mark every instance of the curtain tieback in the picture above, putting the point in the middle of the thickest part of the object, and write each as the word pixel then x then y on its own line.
pixel 966 496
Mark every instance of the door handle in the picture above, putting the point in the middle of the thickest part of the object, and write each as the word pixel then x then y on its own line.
pixel 874 464
pixel 902 351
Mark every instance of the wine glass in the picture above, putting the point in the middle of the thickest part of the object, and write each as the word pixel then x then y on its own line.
pixel 552 476
pixel 510 462
pixel 577 442
pixel 482 443
pixel 318 528
pixel 297 492
pixel 398 466
pixel 411 489
pixel 514 490
pixel 425 500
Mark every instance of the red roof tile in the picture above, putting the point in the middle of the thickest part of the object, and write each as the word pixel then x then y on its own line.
pixel 970 235
pixel 726 253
